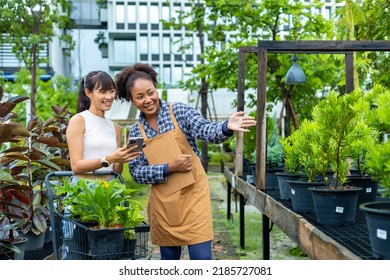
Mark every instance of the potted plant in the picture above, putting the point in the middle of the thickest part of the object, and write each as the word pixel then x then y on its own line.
pixel 30 153
pixel 377 213
pixel 292 166
pixel 312 156
pixel 104 211
pixel 339 122
pixel 361 148
pixel 102 10
pixel 130 220
pixel 102 43
pixel 274 156
pixel 9 237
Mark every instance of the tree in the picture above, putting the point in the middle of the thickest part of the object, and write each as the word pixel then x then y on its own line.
pixel 58 90
pixel 250 21
pixel 375 27
pixel 366 20
pixel 197 24
pixel 31 24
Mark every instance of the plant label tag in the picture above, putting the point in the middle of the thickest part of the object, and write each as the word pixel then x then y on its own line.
pixel 293 191
pixel 339 209
pixel 381 234
pixel 368 190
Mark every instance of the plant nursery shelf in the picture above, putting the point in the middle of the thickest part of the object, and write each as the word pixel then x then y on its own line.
pixel 317 241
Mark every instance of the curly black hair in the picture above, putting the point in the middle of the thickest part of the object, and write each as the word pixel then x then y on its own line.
pixel 125 79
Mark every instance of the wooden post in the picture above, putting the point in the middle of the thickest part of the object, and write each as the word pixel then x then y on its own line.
pixel 349 78
pixel 261 129
pixel 240 107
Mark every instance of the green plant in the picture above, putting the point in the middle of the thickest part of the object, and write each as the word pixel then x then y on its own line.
pixel 341 124
pixel 291 156
pixel 375 107
pixel 274 151
pixel 28 155
pixel 311 148
pixel 57 90
pixel 274 158
pixel 361 146
pixel 102 3
pixel 107 203
pixel 379 165
pixel 101 40
pixel 8 233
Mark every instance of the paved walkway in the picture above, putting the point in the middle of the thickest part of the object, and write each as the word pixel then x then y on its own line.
pixel 222 248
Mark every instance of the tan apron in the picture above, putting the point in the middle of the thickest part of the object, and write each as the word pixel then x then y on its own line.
pixel 183 217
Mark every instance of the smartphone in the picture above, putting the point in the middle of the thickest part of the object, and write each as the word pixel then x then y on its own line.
pixel 139 141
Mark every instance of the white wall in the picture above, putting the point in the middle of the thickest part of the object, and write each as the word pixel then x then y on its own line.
pixel 86 56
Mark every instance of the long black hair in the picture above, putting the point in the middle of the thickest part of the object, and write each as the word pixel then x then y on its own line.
pixel 93 80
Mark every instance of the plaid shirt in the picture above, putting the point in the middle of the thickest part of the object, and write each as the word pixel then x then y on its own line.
pixel 193 125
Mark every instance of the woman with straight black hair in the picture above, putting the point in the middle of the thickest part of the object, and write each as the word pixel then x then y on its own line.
pixel 95 142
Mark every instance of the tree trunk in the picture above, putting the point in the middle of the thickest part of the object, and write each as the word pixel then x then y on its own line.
pixel 33 82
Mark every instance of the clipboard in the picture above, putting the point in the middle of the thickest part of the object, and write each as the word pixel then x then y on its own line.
pixel 162 150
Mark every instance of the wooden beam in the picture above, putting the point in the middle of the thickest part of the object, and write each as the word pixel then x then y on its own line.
pixel 313 46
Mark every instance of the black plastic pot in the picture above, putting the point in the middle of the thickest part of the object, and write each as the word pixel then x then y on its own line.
pixel 369 188
pixel 301 196
pixel 128 249
pixel 7 255
pixel 105 244
pixel 335 207
pixel 378 223
pixel 284 186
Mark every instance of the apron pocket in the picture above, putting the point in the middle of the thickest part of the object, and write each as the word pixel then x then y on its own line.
pixel 173 208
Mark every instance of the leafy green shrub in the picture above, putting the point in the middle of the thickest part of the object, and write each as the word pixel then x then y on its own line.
pixel 108 203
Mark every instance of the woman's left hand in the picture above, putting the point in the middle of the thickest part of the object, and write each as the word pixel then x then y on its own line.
pixel 240 122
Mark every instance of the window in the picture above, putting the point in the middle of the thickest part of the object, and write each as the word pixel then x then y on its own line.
pixel 166 44
pixel 167 74
pixel 187 10
pixel 188 44
pixel 143 47
pixel 187 73
pixel 157 69
pixel 131 16
pixel 176 44
pixel 328 12
pixel 155 47
pixel 143 16
pixel 154 16
pixel 177 74
pixel 176 11
pixel 120 15
pixel 125 51
pixel 197 48
pixel 165 14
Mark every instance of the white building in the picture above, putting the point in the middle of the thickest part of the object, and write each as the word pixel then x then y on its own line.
pixel 134 33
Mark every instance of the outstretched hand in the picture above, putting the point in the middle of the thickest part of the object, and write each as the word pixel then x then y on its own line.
pixel 240 122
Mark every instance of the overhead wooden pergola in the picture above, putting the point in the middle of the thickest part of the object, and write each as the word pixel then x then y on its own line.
pixel 262 49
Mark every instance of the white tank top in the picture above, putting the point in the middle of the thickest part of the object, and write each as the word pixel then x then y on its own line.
pixel 99 137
